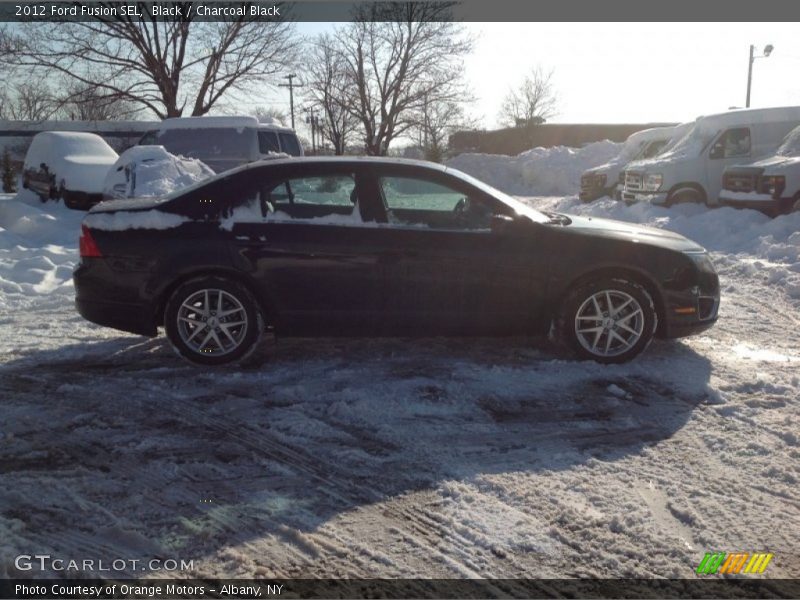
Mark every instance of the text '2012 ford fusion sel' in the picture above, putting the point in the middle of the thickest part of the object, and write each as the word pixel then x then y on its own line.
pixel 372 247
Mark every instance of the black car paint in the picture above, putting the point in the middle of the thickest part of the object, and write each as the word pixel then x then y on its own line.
pixel 379 279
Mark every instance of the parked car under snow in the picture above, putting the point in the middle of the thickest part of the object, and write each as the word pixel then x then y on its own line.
pixel 68 165
pixel 144 171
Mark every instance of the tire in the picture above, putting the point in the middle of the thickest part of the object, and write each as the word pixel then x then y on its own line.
pixel 685 196
pixel 587 326
pixel 194 331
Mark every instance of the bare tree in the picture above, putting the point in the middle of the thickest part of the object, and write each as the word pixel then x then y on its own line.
pixel 435 123
pixel 327 84
pixel 87 103
pixel 29 101
pixel 395 55
pixel 166 66
pixel 534 101
pixel 267 114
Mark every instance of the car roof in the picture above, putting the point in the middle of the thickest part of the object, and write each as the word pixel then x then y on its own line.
pixel 336 160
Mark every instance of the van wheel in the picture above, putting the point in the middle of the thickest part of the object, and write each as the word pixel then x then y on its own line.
pixel 213 321
pixel 685 196
pixel 607 320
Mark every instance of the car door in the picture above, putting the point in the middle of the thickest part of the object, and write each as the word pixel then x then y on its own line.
pixel 446 270
pixel 731 147
pixel 302 238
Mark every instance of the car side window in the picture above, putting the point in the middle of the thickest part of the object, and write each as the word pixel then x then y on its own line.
pixel 324 199
pixel 732 143
pixel 420 202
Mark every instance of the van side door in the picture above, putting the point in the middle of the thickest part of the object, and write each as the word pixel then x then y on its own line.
pixel 732 146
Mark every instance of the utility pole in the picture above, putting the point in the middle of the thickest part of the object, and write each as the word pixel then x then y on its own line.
pixel 767 51
pixel 313 120
pixel 291 85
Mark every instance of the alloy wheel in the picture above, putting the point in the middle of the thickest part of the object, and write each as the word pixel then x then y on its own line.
pixel 609 323
pixel 212 321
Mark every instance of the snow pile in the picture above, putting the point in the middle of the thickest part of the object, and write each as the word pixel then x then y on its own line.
pixel 144 171
pixel 537 172
pixel 38 249
pixel 79 161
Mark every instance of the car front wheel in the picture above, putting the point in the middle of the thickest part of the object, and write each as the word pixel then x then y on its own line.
pixel 213 321
pixel 608 320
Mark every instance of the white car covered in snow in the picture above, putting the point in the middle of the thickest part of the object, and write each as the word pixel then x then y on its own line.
pixel 771 185
pixel 69 165
pixel 604 179
pixel 691 171
pixel 144 171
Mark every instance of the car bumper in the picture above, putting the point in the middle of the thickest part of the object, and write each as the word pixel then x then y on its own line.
pixel 651 197
pixel 690 313
pixel 102 299
pixel 589 194
pixel 772 207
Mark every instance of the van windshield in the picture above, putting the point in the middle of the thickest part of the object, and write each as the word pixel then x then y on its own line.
pixel 208 143
pixel 694 142
pixel 791 144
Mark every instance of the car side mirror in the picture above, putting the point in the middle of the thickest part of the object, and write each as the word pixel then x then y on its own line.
pixel 502 224
pixel 717 150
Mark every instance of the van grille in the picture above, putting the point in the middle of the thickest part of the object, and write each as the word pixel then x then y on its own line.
pixel 737 182
pixel 633 181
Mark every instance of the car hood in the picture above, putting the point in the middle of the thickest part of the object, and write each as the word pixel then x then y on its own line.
pixel 612 165
pixel 774 162
pixel 629 232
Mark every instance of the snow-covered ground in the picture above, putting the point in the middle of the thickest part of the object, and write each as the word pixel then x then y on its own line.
pixel 397 458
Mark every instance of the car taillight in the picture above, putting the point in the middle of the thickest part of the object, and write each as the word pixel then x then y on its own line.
pixel 88 246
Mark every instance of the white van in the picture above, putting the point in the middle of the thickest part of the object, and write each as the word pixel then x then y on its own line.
pixel 223 142
pixel 604 179
pixel 771 185
pixel 691 171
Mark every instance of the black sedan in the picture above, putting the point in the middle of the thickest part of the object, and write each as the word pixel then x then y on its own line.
pixel 372 247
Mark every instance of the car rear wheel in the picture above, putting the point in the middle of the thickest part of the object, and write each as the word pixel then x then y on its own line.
pixel 213 321
pixel 608 320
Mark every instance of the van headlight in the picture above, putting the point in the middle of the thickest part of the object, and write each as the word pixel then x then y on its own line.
pixel 653 181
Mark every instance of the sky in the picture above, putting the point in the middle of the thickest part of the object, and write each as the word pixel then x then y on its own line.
pixel 628 72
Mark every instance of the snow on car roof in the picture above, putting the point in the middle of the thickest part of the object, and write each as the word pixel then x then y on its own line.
pixel 73 142
pixel 208 122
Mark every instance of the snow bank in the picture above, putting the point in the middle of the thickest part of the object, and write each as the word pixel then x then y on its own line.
pixel 38 249
pixel 541 171
pixel 144 171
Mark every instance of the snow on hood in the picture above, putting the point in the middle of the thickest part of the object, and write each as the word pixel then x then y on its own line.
pixel 769 162
pixel 145 171
pixel 540 171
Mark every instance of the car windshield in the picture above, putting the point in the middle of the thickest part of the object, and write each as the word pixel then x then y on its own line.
pixel 207 143
pixel 519 207
pixel 791 144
